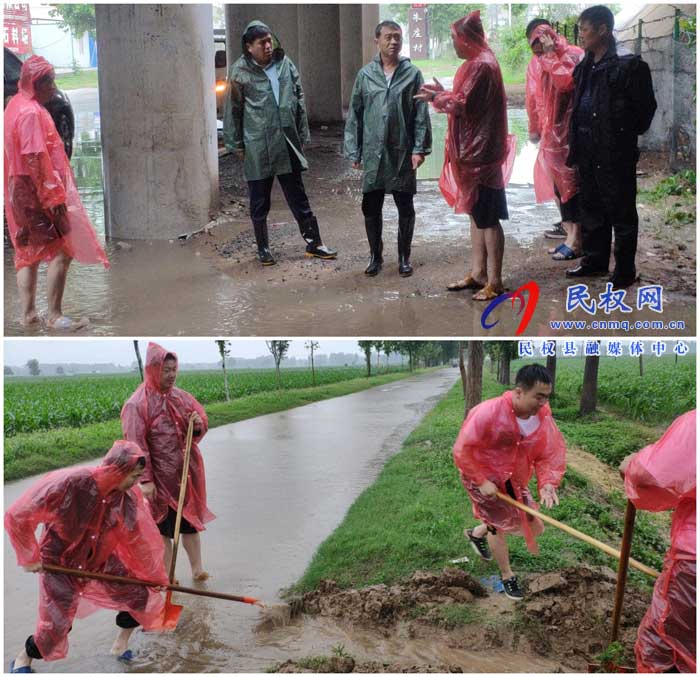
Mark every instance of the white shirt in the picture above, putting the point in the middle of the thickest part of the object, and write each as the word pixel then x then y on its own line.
pixel 528 425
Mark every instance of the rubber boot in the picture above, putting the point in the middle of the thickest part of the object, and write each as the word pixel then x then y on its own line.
pixel 312 237
pixel 264 254
pixel 373 226
pixel 406 225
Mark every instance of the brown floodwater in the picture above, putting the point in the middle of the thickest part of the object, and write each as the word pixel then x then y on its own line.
pixel 279 485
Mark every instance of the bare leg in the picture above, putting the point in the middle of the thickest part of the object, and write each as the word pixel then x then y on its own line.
pixel 193 548
pixel 56 282
pixel 478 268
pixel 495 244
pixel 499 549
pixel 168 556
pixel 22 659
pixel 573 239
pixel 479 531
pixel 26 284
pixel 121 643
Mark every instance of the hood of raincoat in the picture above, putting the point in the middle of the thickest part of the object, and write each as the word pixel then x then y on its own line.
pixel 155 357
pixel 119 462
pixel 277 51
pixel 469 34
pixel 560 42
pixel 33 69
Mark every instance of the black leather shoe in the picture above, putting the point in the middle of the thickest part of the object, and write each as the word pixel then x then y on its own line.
pixel 585 271
pixel 623 281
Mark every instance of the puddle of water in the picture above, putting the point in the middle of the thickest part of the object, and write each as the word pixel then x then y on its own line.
pixel 317 636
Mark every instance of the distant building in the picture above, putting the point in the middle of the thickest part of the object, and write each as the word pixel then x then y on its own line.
pixel 58 46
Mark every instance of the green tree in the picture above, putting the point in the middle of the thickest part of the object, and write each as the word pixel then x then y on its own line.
pixel 473 385
pixel 278 349
pixel 33 366
pixel 77 18
pixel 224 351
pixel 9 372
pixel 138 358
pixel 366 348
pixel 59 370
pixel 312 347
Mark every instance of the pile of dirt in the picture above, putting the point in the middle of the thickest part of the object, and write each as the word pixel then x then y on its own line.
pixel 338 665
pixel 385 605
pixel 565 614
pixel 568 613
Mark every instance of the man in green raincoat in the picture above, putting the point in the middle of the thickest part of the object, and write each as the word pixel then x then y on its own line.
pixel 388 135
pixel 265 124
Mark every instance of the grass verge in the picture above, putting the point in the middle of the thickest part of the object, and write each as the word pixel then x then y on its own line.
pixel 31 453
pixel 80 80
pixel 412 517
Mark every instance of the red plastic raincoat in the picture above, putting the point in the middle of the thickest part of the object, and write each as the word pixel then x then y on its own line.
pixel 662 477
pixel 38 177
pixel 491 447
pixel 555 106
pixel 532 98
pixel 157 421
pixel 89 524
pixel 478 148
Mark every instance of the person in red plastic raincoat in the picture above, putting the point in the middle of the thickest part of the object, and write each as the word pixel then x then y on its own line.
pixel 662 477
pixel 533 102
pixel 156 417
pixel 94 519
pixel 554 180
pixel 46 219
pixel 479 152
pixel 503 441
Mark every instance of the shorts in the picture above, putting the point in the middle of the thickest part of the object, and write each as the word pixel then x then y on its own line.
pixel 570 211
pixel 490 207
pixel 167 526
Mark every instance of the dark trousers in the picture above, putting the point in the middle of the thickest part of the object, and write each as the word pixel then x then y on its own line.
pixel 609 205
pixel 293 189
pixel 373 202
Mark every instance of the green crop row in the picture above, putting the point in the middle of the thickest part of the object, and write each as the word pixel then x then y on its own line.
pixel 34 404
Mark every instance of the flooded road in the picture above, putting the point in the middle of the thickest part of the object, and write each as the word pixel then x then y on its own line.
pixel 213 284
pixel 279 484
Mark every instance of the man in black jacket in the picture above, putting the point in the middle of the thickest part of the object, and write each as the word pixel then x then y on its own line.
pixel 613 104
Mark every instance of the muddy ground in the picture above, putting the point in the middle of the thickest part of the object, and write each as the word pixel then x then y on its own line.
pixel 334 297
pixel 564 620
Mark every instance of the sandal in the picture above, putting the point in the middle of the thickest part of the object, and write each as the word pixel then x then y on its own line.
pixel 565 253
pixel 467 283
pixel 488 293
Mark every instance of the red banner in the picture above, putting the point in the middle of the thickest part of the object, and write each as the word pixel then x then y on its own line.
pixel 17 35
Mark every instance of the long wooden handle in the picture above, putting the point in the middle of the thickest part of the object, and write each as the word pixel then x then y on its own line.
pixel 577 534
pixel 181 500
pixel 53 568
pixel 625 547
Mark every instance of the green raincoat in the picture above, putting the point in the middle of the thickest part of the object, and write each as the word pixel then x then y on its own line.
pixel 253 121
pixel 386 125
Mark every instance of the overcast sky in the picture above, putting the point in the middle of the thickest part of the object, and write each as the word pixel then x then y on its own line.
pixel 88 351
